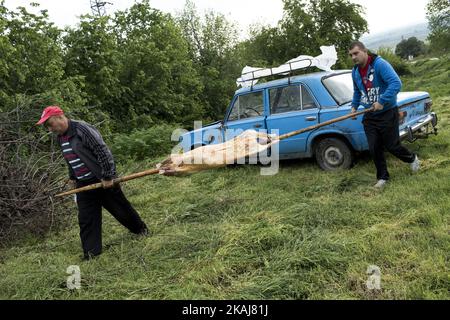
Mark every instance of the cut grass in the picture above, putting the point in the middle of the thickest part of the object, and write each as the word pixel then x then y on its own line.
pixel 231 233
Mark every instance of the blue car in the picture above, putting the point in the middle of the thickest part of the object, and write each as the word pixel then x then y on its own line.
pixel 297 102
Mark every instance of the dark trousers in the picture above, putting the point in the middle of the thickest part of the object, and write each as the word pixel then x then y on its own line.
pixel 90 205
pixel 382 132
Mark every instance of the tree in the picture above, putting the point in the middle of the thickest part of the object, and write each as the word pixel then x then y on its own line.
pixel 32 63
pixel 136 67
pixel 91 52
pixel 31 77
pixel 212 41
pixel 157 75
pixel 438 14
pixel 307 25
pixel 410 47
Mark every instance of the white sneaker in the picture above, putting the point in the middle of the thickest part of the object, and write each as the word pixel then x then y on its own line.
pixel 415 165
pixel 380 184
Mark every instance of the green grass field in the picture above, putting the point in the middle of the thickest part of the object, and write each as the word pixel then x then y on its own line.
pixel 233 234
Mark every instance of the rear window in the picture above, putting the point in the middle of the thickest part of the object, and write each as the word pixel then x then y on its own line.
pixel 340 86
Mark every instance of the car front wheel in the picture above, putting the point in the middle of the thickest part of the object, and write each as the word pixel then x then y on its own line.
pixel 333 154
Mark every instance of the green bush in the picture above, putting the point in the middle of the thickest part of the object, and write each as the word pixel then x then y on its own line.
pixel 399 65
pixel 144 143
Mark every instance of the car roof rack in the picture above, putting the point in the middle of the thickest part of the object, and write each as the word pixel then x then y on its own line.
pixel 285 69
pixel 324 61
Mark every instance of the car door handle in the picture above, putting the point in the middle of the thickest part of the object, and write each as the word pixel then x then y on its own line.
pixel 311 118
pixel 258 125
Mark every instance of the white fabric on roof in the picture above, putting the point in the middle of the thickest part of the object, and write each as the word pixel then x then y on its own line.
pixel 324 61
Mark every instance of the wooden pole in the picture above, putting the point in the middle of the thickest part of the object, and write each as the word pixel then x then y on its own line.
pixel 350 115
pixel 116 181
pixel 155 171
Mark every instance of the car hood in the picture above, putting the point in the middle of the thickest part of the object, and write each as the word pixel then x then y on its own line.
pixel 209 126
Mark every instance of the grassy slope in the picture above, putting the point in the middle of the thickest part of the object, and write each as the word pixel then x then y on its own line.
pixel 234 234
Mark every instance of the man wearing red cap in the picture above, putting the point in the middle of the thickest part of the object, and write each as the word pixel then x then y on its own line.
pixel 90 161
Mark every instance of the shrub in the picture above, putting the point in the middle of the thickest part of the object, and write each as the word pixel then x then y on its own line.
pixel 30 174
pixel 144 143
pixel 399 65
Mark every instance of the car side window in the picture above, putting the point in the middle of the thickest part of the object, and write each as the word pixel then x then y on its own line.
pixel 247 106
pixel 290 98
pixel 307 100
pixel 285 99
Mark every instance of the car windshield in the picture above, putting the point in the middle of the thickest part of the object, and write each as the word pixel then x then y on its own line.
pixel 340 87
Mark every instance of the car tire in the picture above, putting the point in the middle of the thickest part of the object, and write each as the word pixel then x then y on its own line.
pixel 333 154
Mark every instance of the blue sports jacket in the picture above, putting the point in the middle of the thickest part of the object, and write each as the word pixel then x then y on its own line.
pixel 385 85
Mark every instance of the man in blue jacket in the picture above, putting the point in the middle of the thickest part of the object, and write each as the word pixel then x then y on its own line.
pixel 376 84
pixel 90 161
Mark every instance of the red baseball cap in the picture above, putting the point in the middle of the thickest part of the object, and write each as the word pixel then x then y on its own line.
pixel 50 112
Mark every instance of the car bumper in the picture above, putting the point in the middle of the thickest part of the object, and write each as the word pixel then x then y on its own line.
pixel 421 129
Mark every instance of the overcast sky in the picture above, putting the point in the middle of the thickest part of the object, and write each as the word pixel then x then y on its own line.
pixel 381 15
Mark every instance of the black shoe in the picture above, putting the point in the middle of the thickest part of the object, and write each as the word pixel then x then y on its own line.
pixel 89 256
pixel 144 232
